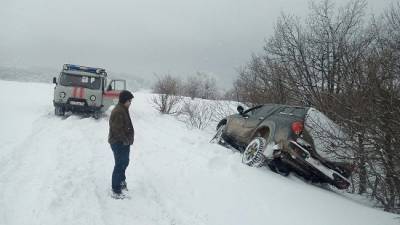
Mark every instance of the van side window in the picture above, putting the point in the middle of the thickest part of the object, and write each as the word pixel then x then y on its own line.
pixel 109 88
pixel 118 85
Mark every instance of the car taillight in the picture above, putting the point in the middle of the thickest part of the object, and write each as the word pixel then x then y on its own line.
pixel 297 127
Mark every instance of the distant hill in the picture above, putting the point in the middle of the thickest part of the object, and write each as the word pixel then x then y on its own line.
pixel 45 75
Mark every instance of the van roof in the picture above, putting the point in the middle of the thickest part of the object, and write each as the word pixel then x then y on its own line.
pixel 84 70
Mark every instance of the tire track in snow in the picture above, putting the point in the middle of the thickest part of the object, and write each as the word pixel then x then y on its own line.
pixel 50 172
pixel 22 175
pixel 75 201
pixel 9 162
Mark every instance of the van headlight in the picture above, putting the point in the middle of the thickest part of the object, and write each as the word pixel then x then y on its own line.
pixel 62 94
pixel 93 98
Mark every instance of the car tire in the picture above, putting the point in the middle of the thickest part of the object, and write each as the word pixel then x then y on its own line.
pixel 59 111
pixel 218 135
pixel 253 154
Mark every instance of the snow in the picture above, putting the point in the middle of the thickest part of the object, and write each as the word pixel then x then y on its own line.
pixel 58 171
pixel 323 131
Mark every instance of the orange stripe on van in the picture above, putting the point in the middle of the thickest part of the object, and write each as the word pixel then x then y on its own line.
pixel 74 89
pixel 82 92
pixel 111 94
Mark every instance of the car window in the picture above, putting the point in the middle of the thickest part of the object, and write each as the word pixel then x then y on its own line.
pixel 253 111
pixel 293 111
pixel 265 110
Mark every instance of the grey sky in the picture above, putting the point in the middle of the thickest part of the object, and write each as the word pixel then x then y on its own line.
pixel 142 37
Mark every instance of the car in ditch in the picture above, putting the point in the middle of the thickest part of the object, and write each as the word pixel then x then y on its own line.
pixel 82 89
pixel 274 135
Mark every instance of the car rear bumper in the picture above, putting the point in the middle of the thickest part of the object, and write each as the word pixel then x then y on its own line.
pixel 301 159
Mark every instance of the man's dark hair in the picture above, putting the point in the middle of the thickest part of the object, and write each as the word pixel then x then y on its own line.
pixel 125 96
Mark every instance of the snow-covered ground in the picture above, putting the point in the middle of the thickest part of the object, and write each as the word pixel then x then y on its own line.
pixel 58 171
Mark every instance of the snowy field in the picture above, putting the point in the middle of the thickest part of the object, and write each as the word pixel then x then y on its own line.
pixel 58 171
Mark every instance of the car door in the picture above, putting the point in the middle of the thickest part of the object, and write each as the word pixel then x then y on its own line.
pixel 243 124
pixel 256 117
pixel 252 119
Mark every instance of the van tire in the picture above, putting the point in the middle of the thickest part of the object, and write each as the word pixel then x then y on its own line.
pixel 59 111
pixel 97 115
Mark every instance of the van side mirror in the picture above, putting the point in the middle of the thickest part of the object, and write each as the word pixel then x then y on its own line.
pixel 240 109
pixel 103 84
pixel 54 80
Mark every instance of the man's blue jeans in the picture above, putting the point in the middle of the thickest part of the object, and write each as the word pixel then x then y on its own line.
pixel 121 158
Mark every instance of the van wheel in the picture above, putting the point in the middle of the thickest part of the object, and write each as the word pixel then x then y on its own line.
pixel 253 154
pixel 97 115
pixel 59 111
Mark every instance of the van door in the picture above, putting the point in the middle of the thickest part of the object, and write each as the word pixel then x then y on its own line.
pixel 117 85
pixel 111 93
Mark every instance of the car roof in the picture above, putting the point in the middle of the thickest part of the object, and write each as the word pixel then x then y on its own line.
pixel 282 105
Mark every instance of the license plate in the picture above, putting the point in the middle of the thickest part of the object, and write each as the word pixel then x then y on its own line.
pixel 76 103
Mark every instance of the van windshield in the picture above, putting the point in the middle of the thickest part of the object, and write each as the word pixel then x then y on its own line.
pixel 67 79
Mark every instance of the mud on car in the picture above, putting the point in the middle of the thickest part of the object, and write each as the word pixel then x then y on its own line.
pixel 275 136
pixel 81 89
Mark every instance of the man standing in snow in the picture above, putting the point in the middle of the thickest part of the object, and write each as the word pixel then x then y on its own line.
pixel 120 137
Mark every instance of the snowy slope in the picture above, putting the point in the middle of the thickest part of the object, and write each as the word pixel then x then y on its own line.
pixel 55 171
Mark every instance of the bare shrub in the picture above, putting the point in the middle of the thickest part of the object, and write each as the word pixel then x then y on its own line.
pixel 167 99
pixel 200 85
pixel 192 87
pixel 261 81
pixel 196 114
pixel 222 109
pixel 201 114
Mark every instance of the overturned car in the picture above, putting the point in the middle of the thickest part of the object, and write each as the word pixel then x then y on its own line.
pixel 275 135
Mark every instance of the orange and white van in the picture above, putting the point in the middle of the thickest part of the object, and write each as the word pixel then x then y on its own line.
pixel 81 89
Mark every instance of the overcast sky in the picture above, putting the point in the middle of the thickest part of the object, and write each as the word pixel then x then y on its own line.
pixel 143 37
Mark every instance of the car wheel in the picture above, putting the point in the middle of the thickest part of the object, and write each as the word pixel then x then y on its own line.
pixel 253 154
pixel 59 111
pixel 218 136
